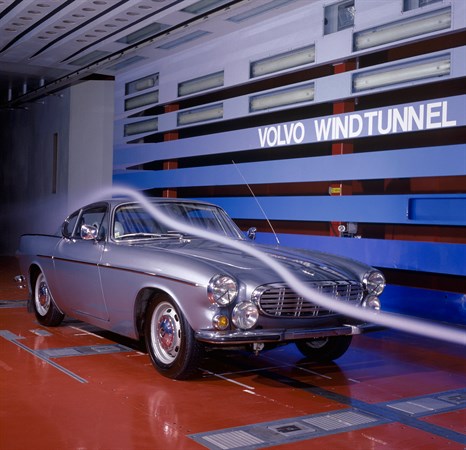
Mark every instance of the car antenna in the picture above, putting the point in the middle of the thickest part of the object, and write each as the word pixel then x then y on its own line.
pixel 257 201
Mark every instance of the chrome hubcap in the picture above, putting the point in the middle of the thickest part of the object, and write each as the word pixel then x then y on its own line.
pixel 317 343
pixel 43 294
pixel 166 333
pixel 42 297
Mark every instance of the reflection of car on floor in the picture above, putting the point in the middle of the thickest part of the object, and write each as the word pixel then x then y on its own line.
pixel 116 267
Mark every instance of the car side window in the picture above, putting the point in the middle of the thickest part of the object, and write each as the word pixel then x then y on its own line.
pixel 134 219
pixel 95 216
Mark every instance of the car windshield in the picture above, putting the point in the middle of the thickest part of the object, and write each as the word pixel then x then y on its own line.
pixel 132 221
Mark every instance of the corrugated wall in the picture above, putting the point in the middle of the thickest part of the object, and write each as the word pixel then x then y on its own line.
pixel 351 136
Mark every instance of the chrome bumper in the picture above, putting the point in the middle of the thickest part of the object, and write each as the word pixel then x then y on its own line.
pixel 237 337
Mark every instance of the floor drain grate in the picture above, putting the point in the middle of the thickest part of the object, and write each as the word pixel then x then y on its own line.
pixel 457 399
pixel 84 350
pixel 340 420
pixel 268 434
pixel 291 429
pixel 429 405
pixel 232 439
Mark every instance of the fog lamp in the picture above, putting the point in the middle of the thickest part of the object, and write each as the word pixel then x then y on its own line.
pixel 371 302
pixel 220 322
pixel 245 315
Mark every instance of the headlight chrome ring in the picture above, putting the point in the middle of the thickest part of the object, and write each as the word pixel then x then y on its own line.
pixel 374 282
pixel 245 315
pixel 222 290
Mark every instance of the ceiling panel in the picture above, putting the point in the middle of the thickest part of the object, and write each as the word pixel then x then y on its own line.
pixel 47 44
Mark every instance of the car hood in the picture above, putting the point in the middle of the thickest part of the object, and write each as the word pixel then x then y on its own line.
pixel 304 264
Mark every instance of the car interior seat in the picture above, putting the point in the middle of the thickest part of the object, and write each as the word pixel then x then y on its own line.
pixel 118 229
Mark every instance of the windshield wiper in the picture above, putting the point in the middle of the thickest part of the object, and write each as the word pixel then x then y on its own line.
pixel 168 235
pixel 139 235
pixel 173 234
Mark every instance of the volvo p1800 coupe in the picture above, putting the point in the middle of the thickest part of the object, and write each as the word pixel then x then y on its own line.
pixel 118 268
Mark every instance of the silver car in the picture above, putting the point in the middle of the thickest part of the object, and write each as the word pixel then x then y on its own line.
pixel 117 267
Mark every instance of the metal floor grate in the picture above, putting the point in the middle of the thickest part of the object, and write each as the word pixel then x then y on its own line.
pixel 280 432
pixel 428 405
pixel 233 439
pixel 269 434
pixel 457 399
pixel 84 350
pixel 337 421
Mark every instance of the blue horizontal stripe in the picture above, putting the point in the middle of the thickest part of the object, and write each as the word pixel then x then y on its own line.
pixel 436 161
pixel 428 304
pixel 438 209
pixel 431 257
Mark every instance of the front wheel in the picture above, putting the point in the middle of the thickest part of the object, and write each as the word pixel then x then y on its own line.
pixel 46 312
pixel 324 349
pixel 170 341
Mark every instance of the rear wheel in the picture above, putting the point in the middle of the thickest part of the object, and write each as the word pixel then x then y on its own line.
pixel 46 312
pixel 170 341
pixel 324 349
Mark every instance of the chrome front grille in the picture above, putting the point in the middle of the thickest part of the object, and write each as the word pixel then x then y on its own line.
pixel 278 300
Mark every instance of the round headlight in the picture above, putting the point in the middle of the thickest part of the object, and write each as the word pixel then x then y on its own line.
pixel 245 315
pixel 222 290
pixel 374 282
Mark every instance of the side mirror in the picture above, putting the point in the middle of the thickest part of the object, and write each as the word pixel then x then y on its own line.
pixel 252 233
pixel 89 232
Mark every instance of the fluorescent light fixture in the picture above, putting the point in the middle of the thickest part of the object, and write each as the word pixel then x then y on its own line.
pixel 200 114
pixel 127 62
pixel 142 84
pixel 210 81
pixel 203 6
pixel 143 33
pixel 141 127
pixel 253 12
pixel 402 73
pixel 282 97
pixel 89 58
pixel 413 4
pixel 283 61
pixel 403 29
pixel 184 39
pixel 142 100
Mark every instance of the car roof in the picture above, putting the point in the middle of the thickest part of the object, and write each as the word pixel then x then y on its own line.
pixel 127 200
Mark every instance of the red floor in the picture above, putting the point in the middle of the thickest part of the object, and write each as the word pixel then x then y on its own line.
pixel 74 388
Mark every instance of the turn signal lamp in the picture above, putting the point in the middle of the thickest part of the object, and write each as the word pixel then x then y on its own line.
pixel 220 322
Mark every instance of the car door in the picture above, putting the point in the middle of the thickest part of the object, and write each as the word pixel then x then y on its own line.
pixel 76 263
